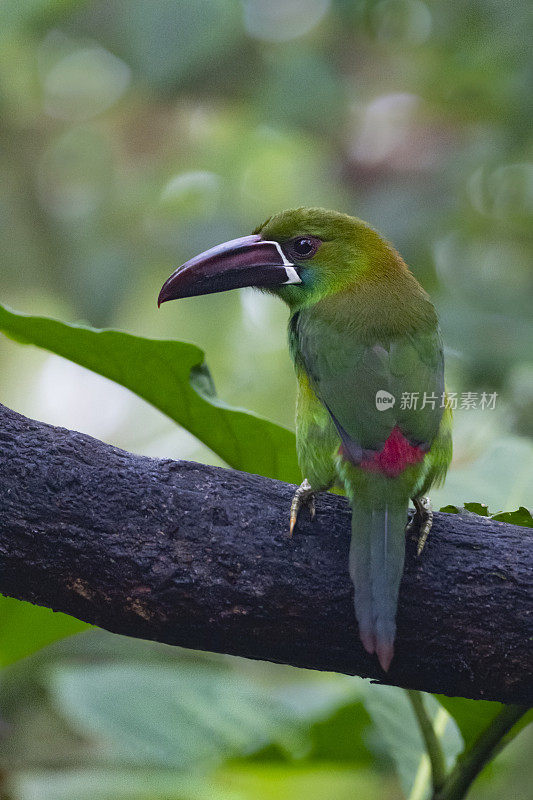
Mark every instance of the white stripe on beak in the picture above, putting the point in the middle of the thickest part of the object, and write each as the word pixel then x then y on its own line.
pixel 292 275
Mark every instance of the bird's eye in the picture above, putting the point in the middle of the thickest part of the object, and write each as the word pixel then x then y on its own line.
pixel 305 247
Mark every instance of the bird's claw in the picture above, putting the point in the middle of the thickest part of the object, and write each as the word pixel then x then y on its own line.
pixel 303 494
pixel 421 519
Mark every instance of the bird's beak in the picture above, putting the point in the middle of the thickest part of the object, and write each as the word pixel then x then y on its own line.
pixel 248 261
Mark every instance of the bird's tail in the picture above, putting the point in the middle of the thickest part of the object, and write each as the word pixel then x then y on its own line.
pixel 377 553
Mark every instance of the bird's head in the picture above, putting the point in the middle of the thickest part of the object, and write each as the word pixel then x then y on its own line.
pixel 302 255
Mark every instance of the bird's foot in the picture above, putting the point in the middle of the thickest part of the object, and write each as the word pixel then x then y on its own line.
pixel 421 521
pixel 303 494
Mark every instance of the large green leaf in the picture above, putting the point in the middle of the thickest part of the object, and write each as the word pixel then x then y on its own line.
pixel 337 723
pixel 473 716
pixel 172 717
pixel 174 378
pixel 395 721
pixel 522 516
pixel 343 738
pixel 25 628
pixel 189 698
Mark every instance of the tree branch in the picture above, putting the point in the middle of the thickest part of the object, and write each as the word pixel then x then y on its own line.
pixel 200 557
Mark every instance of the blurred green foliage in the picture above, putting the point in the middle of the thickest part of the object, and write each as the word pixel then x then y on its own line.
pixel 133 135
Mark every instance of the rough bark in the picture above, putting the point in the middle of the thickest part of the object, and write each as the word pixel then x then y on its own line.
pixel 200 557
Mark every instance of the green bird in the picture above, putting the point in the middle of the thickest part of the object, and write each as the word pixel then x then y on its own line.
pixel 371 414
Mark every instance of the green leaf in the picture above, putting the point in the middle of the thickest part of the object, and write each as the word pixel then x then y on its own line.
pixel 172 717
pixel 343 737
pixel 25 628
pixel 473 716
pixel 173 377
pixel 521 516
pixel 334 716
pixel 395 721
pixel 477 508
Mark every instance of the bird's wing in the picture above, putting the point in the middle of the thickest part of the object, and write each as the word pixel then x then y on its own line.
pixel 417 367
pixel 350 377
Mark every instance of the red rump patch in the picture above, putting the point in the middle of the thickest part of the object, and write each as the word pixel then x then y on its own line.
pixel 397 455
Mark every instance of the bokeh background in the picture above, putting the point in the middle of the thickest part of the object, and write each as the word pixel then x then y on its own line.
pixel 135 134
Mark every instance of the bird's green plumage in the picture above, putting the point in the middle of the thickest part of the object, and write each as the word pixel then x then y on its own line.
pixel 361 323
pixel 361 329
